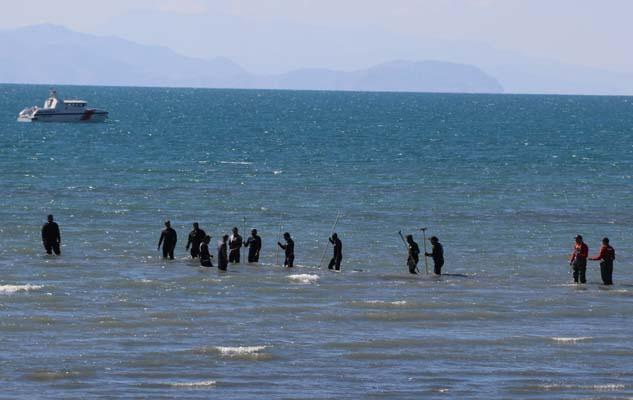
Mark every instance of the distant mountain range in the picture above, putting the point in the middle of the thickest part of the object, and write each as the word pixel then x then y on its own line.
pixel 50 54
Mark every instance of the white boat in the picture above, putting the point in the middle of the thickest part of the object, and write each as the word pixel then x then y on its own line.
pixel 58 110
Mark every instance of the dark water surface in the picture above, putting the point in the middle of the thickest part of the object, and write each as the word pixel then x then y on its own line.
pixel 506 182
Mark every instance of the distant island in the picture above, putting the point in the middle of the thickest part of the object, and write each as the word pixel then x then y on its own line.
pixel 51 54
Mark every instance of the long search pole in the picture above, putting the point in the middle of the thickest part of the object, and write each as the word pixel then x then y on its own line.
pixel 426 262
pixel 327 242
pixel 281 223
pixel 243 236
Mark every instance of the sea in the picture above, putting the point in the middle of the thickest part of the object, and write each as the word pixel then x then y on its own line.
pixel 504 181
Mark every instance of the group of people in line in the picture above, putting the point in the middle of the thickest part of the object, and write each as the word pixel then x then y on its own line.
pixel 229 248
pixel 437 254
pixel 580 255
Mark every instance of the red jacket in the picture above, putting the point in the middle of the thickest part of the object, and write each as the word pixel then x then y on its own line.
pixel 607 253
pixel 580 251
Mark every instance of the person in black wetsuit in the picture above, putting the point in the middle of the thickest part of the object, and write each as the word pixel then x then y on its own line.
pixel 196 237
pixel 205 256
pixel 289 249
pixel 51 237
pixel 223 260
pixel 254 244
pixel 235 245
pixel 335 262
pixel 168 239
pixel 414 255
pixel 437 253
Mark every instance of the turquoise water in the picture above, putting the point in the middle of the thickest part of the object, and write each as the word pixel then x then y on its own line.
pixel 504 181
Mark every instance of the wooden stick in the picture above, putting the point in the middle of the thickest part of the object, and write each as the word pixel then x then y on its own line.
pixel 327 242
pixel 426 261
pixel 281 223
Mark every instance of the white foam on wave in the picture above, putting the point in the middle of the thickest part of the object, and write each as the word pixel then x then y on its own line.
pixel 610 387
pixel 239 350
pixel 236 162
pixel 395 303
pixel 10 289
pixel 277 171
pixel 193 384
pixel 571 339
pixel 304 278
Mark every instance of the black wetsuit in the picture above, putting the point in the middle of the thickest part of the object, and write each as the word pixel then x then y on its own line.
pixel 223 260
pixel 414 257
pixel 205 256
pixel 606 257
pixel 335 262
pixel 289 249
pixel 437 253
pixel 254 244
pixel 235 245
pixel 51 237
pixel 195 239
pixel 168 238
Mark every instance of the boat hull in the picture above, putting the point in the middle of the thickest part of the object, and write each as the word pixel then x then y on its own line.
pixel 87 116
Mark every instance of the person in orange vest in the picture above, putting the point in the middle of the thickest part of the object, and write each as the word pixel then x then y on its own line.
pixel 606 256
pixel 578 260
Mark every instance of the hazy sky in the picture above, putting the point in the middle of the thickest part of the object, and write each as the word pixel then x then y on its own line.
pixel 276 35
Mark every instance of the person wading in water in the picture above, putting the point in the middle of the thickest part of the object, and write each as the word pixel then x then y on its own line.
pixel 606 258
pixel 168 238
pixel 254 244
pixel 337 257
pixel 196 236
pixel 414 255
pixel 289 249
pixel 578 260
pixel 51 238
pixel 437 253
pixel 205 255
pixel 235 245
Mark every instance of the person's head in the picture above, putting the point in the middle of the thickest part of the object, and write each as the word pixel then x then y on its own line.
pixel 168 224
pixel 207 239
pixel 254 232
pixel 434 239
pixel 50 217
pixel 195 225
pixel 225 238
pixel 409 238
pixel 235 230
pixel 605 241
pixel 579 239
pixel 334 236
pixel 286 236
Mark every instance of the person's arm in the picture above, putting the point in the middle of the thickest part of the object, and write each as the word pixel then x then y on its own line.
pixel 247 242
pixel 281 245
pixel 189 241
pixel 58 236
pixel 601 255
pixel 162 237
pixel 437 252
pixel 330 239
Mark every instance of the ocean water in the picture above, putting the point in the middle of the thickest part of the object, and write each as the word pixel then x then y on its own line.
pixel 504 181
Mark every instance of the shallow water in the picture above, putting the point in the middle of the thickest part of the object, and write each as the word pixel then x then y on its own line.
pixel 506 182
